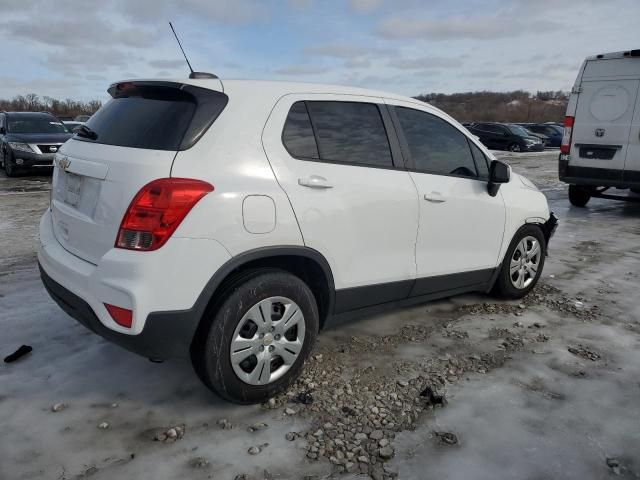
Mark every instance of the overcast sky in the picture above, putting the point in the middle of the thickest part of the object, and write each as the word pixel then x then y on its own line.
pixel 75 49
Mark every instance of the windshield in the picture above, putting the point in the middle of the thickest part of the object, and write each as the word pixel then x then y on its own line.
pixel 36 125
pixel 518 130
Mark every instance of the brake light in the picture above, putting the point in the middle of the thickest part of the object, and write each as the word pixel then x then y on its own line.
pixel 120 315
pixel 565 146
pixel 157 210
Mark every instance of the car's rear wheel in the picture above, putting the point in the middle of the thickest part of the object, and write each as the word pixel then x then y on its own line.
pixel 579 196
pixel 259 336
pixel 522 264
pixel 514 147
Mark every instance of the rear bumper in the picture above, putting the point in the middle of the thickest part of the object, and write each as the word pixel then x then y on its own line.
pixel 164 289
pixel 165 335
pixel 596 177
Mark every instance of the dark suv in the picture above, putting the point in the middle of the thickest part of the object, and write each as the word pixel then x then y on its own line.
pixel 30 140
pixel 506 137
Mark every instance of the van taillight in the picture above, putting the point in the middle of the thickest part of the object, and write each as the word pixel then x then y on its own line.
pixel 157 210
pixel 565 146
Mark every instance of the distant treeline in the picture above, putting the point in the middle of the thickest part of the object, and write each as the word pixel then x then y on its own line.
pixel 516 106
pixel 61 108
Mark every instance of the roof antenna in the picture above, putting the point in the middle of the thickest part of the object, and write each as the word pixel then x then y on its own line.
pixel 192 75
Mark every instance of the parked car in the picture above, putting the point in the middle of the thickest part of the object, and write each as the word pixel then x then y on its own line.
pixel 543 138
pixel 29 140
pixel 552 131
pixel 510 137
pixel 230 226
pixel 601 144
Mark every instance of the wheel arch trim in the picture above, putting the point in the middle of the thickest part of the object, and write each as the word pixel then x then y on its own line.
pixel 216 281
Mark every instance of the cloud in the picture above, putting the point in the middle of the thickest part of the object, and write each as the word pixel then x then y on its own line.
pixel 346 51
pixel 424 62
pixel 476 28
pixel 73 32
pixel 168 64
pixel 357 63
pixel 235 12
pixel 301 4
pixel 302 70
pixel 366 6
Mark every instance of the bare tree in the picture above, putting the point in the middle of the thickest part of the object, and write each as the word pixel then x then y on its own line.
pixel 31 102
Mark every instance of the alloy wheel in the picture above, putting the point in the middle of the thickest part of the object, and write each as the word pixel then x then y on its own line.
pixel 525 262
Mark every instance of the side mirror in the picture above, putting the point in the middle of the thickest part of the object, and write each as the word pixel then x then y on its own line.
pixel 499 173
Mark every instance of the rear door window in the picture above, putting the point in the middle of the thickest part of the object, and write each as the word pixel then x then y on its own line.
pixel 297 135
pixel 156 117
pixel 350 132
pixel 435 145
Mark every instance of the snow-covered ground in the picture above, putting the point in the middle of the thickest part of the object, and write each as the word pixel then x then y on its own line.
pixel 549 388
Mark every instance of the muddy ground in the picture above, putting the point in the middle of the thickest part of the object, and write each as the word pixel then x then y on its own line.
pixel 469 387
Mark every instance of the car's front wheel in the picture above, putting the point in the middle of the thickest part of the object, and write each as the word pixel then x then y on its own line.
pixel 9 165
pixel 258 337
pixel 514 147
pixel 522 264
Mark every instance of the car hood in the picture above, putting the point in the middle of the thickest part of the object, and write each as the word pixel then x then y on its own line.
pixel 38 137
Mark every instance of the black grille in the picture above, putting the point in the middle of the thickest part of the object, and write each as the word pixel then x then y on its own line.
pixel 48 148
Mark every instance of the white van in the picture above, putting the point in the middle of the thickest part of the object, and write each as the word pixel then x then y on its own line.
pixel 601 144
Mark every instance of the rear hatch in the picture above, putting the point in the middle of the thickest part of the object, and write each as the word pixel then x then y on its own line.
pixel 602 125
pixel 132 140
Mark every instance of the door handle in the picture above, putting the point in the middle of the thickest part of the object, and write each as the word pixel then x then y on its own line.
pixel 314 181
pixel 434 197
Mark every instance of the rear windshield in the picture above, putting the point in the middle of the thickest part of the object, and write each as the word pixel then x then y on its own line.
pixel 155 117
pixel 35 124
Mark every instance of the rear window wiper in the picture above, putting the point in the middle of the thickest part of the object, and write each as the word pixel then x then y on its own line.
pixel 84 131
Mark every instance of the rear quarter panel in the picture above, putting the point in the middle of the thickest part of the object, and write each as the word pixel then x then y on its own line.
pixel 230 157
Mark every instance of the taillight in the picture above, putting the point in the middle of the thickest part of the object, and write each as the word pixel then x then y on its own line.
pixel 565 146
pixel 157 210
pixel 121 316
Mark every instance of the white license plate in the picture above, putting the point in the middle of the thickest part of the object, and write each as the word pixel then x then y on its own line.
pixel 73 187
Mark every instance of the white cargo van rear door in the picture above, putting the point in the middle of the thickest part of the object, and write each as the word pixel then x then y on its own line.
pixel 632 162
pixel 602 124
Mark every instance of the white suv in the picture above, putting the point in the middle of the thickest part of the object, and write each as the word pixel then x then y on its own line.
pixel 230 221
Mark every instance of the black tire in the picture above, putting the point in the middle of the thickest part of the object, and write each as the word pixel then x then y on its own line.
pixel 504 287
pixel 9 165
pixel 211 350
pixel 514 147
pixel 636 190
pixel 579 196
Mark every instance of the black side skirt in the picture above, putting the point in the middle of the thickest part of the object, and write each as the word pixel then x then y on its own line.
pixel 362 301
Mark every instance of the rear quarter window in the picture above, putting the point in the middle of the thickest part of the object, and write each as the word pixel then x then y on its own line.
pixel 352 133
pixel 156 117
